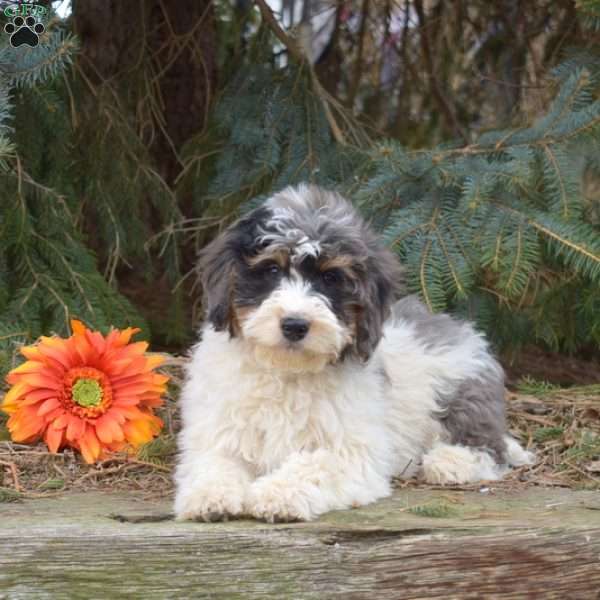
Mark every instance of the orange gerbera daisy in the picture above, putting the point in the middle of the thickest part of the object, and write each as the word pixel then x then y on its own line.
pixel 93 393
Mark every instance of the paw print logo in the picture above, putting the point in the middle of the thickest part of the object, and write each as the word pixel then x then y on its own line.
pixel 24 31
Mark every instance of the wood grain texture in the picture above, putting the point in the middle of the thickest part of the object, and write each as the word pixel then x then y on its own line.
pixel 536 544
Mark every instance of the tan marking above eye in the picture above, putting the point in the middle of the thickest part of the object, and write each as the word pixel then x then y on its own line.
pixel 279 257
pixel 343 263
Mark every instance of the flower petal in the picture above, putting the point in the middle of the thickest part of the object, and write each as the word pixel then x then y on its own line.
pixel 54 439
pixel 60 354
pixel 138 432
pixel 152 401
pixel 47 406
pixel 158 379
pixel 36 396
pixel 12 397
pixel 35 369
pixel 117 446
pixel 153 361
pixel 112 366
pixel 125 400
pixel 83 349
pixel 90 446
pixel 126 335
pixel 116 415
pixel 62 421
pixel 134 369
pixel 112 338
pixel 53 415
pixel 103 431
pixel 42 380
pixel 130 412
pixel 31 353
pixel 25 426
pixel 133 350
pixel 117 431
pixel 131 388
pixel 77 327
pixel 96 340
pixel 75 428
pixel 29 366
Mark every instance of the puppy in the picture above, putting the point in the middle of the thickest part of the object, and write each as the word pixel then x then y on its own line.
pixel 313 386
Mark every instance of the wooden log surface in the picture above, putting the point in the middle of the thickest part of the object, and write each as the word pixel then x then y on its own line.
pixel 535 543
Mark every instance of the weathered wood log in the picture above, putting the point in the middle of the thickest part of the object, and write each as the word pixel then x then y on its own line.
pixel 536 543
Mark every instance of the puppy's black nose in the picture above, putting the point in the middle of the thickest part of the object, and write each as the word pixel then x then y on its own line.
pixel 294 328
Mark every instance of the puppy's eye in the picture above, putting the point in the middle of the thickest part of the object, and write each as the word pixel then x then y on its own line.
pixel 330 277
pixel 273 269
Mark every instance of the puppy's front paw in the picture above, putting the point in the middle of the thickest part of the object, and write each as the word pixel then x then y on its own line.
pixel 275 502
pixel 211 501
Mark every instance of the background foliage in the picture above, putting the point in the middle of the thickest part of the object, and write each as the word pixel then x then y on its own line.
pixel 467 132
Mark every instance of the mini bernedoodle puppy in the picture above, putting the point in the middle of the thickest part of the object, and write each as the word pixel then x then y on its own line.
pixel 313 385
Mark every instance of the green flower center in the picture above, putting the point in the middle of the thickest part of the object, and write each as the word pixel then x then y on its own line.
pixel 87 392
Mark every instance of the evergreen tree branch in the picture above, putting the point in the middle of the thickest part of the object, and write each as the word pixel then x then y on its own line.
pixel 457 282
pixel 563 240
pixel 290 43
pixel 299 56
pixel 563 191
pixel 27 68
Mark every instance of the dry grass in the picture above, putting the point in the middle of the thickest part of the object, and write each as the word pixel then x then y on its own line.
pixel 561 425
pixel 31 471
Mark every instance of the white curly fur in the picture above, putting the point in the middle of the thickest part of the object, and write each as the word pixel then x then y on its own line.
pixel 279 445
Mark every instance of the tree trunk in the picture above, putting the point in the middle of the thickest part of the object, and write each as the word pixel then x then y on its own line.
pixel 161 57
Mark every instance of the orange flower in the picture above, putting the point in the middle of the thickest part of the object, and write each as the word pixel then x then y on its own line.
pixel 93 393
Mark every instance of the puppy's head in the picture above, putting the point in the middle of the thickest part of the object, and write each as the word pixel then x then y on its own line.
pixel 302 280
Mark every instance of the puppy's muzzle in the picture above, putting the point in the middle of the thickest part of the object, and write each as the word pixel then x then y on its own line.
pixel 294 329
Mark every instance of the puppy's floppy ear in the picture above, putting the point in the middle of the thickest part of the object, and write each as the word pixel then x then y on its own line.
pixel 217 272
pixel 382 284
pixel 219 263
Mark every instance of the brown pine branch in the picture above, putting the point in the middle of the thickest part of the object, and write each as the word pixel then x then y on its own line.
pixel 290 43
pixel 298 55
